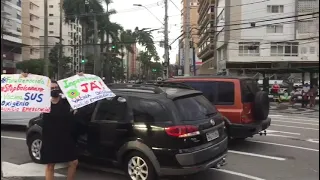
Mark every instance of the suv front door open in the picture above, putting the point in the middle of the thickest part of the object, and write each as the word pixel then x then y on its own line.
pixel 107 127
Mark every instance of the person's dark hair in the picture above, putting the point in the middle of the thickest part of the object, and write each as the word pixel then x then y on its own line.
pixel 53 81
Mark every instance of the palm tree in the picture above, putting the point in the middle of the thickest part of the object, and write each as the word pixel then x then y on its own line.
pixel 79 10
pixel 126 37
pixel 145 59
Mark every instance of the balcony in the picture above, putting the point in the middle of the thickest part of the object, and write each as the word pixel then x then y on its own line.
pixel 35 23
pixel 12 39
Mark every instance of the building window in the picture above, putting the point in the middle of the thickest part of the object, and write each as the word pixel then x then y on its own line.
pixel 31 28
pixel 19 3
pixel 50 23
pixel 312 50
pixel 31 51
pixel 19 16
pixel 305 26
pixel 303 50
pixel 275 8
pixel 284 49
pixel 50 14
pixel 275 28
pixel 249 49
pixel 50 6
pixel 51 32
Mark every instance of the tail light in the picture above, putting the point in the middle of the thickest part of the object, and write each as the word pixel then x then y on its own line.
pixel 182 131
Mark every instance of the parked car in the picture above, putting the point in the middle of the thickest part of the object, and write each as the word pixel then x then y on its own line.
pixel 17 118
pixel 170 130
pixel 239 99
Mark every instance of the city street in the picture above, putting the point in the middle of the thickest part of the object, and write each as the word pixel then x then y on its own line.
pixel 290 151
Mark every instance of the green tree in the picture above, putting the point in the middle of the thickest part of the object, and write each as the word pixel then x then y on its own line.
pixel 33 66
pixel 65 62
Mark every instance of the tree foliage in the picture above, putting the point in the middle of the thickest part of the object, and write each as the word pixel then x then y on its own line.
pixel 124 39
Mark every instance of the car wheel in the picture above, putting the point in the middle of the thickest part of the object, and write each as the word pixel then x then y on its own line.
pixel 139 167
pixel 34 147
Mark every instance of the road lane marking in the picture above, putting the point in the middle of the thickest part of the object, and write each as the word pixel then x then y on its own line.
pixel 237 174
pixel 313 141
pixel 15 138
pixel 283 145
pixel 282 132
pixel 279 135
pixel 314 129
pixel 316 120
pixel 257 155
pixel 294 122
pixel 275 115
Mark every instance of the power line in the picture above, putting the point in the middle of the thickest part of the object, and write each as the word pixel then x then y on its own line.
pixel 175 5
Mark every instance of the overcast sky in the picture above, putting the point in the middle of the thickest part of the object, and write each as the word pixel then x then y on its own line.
pixel 130 16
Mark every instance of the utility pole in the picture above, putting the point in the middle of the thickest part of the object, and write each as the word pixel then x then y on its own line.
pixel 166 39
pixel 107 70
pixel 97 65
pixel 60 39
pixel 187 39
pixel 45 50
pixel 2 43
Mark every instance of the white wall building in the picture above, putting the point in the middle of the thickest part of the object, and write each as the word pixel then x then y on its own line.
pixel 278 36
pixel 71 33
pixel 11 25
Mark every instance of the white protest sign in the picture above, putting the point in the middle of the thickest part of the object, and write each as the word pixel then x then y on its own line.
pixel 25 94
pixel 83 90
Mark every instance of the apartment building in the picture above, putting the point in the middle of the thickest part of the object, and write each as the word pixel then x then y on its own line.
pixel 31 29
pixel 71 34
pixel 11 29
pixel 206 23
pixel 194 31
pixel 256 35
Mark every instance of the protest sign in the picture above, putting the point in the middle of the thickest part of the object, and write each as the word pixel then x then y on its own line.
pixel 25 94
pixel 83 90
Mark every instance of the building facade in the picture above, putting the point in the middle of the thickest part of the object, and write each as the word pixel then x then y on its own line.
pixel 261 35
pixel 194 31
pixel 206 23
pixel 71 34
pixel 31 29
pixel 12 34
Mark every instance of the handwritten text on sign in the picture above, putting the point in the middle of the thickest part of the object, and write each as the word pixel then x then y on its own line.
pixel 25 94
pixel 83 90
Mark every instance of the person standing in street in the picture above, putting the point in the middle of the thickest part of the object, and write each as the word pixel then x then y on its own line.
pixel 305 95
pixel 58 143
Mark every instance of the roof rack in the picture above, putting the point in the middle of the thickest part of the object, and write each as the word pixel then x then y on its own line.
pixel 145 87
pixel 172 85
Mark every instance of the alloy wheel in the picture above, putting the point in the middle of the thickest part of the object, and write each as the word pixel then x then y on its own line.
pixel 138 168
pixel 35 149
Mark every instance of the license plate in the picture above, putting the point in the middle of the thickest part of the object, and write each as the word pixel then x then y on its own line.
pixel 212 135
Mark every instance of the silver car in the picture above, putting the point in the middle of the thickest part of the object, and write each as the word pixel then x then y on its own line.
pixel 17 118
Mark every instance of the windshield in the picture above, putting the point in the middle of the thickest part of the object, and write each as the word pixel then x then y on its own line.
pixel 194 108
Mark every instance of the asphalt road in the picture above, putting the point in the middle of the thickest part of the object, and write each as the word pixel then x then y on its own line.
pixel 290 151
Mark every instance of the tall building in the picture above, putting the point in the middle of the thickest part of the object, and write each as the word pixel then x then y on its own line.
pixel 11 29
pixel 259 35
pixel 194 30
pixel 206 23
pixel 31 29
pixel 71 34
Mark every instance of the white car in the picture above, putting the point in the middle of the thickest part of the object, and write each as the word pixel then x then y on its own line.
pixel 17 118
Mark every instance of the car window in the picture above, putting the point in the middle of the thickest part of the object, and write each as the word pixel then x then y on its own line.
pixel 207 88
pixel 112 110
pixel 148 111
pixel 248 89
pixel 225 93
pixel 194 108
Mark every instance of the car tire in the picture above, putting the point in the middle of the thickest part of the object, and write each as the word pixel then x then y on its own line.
pixel 146 166
pixel 261 106
pixel 34 147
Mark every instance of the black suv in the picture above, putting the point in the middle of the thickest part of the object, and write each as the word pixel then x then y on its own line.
pixel 150 131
